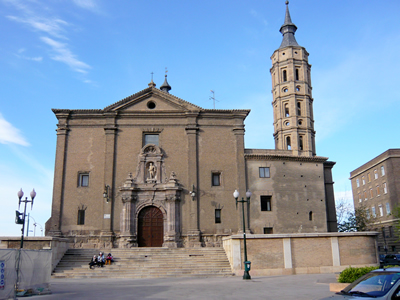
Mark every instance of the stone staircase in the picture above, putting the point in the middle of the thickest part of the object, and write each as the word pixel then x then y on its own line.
pixel 146 263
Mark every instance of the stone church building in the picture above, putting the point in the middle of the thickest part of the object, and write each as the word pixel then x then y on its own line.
pixel 154 170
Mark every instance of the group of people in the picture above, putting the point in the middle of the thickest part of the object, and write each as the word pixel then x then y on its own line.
pixel 100 260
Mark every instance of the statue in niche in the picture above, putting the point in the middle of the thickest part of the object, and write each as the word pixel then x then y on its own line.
pixel 152 171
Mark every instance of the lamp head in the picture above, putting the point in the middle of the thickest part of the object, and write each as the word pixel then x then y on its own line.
pixel 248 194
pixel 236 194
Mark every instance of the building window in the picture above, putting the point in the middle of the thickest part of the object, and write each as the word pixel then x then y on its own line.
pixel 150 139
pixel 368 214
pixel 384 188
pixel 380 210
pixel 376 174
pixel 81 217
pixel 378 190
pixel 387 208
pixel 371 193
pixel 359 197
pixel 217 215
pixel 358 182
pixel 390 231
pixel 382 170
pixel 266 203
pixel 369 177
pixel 286 110
pixel 363 180
pixel 83 179
pixel 393 248
pixel 216 179
pixel 300 142
pixel 284 75
pixel 297 74
pixel 268 230
pixel 264 172
pixel 298 108
pixel 288 144
pixel 373 211
pixel 365 196
pixel 310 215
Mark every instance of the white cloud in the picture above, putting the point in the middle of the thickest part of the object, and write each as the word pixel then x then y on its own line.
pixel 87 4
pixel 63 54
pixel 10 135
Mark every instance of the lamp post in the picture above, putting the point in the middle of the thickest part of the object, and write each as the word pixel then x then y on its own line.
pixel 106 193
pixel 247 263
pixel 18 214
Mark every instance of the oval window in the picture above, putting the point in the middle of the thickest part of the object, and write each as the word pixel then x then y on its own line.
pixel 151 105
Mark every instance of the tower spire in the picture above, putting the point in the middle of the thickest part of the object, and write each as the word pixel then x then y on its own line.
pixel 288 30
pixel 165 86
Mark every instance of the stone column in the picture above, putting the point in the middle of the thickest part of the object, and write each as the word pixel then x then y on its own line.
pixel 59 175
pixel 171 235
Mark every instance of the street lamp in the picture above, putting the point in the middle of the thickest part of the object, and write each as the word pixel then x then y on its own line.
pixel 247 263
pixel 106 193
pixel 18 219
pixel 192 193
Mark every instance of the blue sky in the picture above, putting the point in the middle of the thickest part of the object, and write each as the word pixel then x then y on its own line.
pixel 92 53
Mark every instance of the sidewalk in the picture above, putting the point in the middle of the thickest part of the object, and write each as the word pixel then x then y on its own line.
pixel 299 287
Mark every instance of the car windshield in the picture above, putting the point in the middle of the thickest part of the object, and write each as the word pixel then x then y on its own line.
pixel 374 284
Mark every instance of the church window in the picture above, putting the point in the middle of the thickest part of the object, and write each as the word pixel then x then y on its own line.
pixel 268 230
pixel 83 179
pixel 217 215
pixel 216 179
pixel 288 144
pixel 382 170
pixel 300 122
pixel 151 105
pixel 298 88
pixel 300 142
pixel 287 123
pixel 376 174
pixel 266 203
pixel 150 139
pixel 81 217
pixel 284 75
pixel 297 74
pixel 310 215
pixel 264 172
pixel 285 90
pixel 298 108
pixel 286 110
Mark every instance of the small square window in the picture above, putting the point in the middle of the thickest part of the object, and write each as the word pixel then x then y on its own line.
pixel 216 179
pixel 81 217
pixel 150 139
pixel 266 203
pixel 217 216
pixel 83 179
pixel 268 230
pixel 264 172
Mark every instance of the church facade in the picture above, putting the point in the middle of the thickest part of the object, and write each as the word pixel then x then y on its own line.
pixel 153 170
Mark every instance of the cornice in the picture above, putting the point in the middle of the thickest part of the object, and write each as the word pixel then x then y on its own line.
pixel 317 159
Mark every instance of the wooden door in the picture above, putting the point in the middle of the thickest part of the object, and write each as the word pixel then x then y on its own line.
pixel 150 227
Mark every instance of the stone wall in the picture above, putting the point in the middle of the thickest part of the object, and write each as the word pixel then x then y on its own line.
pixel 57 246
pixel 285 254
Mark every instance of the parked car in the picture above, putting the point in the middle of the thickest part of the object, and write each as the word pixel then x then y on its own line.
pixel 390 260
pixel 380 284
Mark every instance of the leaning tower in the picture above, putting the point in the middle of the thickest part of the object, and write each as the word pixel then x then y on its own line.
pixel 292 99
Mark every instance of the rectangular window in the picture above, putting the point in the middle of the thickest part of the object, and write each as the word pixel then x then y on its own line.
pixel 150 139
pixel 369 177
pixel 81 217
pixel 264 172
pixel 380 210
pixel 359 197
pixel 373 211
pixel 371 193
pixel 358 182
pixel 363 180
pixel 83 179
pixel 387 208
pixel 393 248
pixel 382 170
pixel 376 174
pixel 365 196
pixel 384 188
pixel 368 214
pixel 216 179
pixel 378 190
pixel 217 215
pixel 265 203
pixel 268 230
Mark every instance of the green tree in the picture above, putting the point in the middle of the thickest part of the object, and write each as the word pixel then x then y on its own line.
pixel 357 220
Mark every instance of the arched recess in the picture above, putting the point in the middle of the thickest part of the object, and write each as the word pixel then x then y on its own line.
pixel 150 227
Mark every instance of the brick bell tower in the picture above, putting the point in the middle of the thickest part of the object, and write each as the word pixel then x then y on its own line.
pixel 292 99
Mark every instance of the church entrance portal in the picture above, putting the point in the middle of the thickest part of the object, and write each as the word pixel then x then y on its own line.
pixel 150 227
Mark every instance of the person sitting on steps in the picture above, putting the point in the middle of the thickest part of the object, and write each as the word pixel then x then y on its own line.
pixel 93 262
pixel 101 260
pixel 109 259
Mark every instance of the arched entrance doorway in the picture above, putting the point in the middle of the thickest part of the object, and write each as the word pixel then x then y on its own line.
pixel 150 227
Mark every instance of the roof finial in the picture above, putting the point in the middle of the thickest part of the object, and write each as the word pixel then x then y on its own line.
pixel 165 86
pixel 152 84
pixel 288 29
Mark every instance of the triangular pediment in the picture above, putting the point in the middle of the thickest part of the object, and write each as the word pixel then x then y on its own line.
pixel 152 100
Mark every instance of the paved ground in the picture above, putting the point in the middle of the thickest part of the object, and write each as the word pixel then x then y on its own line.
pixel 298 287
